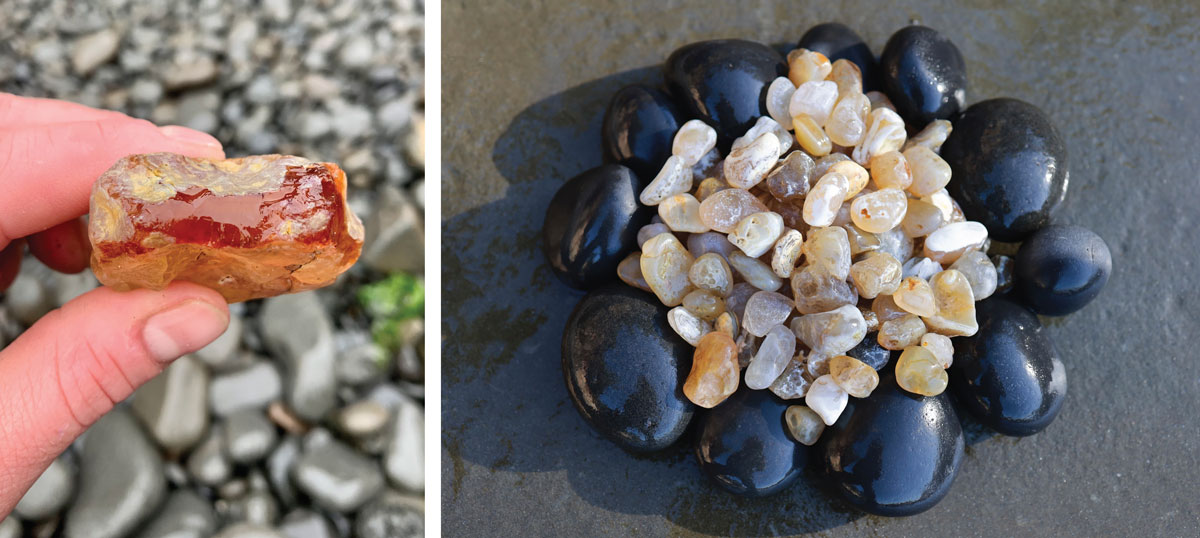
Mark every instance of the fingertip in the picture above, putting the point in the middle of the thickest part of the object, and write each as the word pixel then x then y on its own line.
pixel 192 142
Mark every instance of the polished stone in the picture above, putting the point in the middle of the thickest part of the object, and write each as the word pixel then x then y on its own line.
pixel 924 75
pixel 1061 269
pixel 639 127
pixel 744 445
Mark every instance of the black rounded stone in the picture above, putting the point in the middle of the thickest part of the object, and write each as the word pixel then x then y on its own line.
pixel 744 445
pixel 1060 269
pixel 870 352
pixel 924 75
pixel 639 127
pixel 1008 376
pixel 592 224
pixel 1009 167
pixel 838 42
pixel 723 82
pixel 624 368
pixel 893 453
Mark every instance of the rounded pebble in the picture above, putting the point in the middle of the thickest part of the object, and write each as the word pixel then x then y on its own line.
pixel 923 74
pixel 744 445
pixel 1061 269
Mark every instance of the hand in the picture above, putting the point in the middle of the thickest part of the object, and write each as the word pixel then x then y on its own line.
pixel 75 363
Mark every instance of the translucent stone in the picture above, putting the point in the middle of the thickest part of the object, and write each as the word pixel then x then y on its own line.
pixel 724 209
pixel 932 136
pixel 879 211
pixel 880 100
pixel 923 268
pixel 955 305
pixel 649 231
pixel 805 65
pixel 1004 273
pixel 871 319
pixel 860 241
pixel 833 332
pixel 747 346
pixel 790 180
pixel 847 76
pixel 786 253
pixel 915 296
pixel 757 233
pixel 674 178
pixel 774 354
pixel 824 164
pixel 823 201
pixel 804 424
pixel 745 167
pixel 856 176
pixel 877 273
pixel 715 373
pixel 815 290
pixel 735 302
pixel 922 219
pixel 709 165
pixel 692 141
pixel 885 132
pixel 829 248
pixel 854 376
pixel 764 310
pixel 681 213
pixel 950 241
pixel 885 308
pixel 701 244
pixel 930 173
pixel 793 383
pixel 793 216
pixel 779 98
pixel 708 186
pixel 757 273
pixel 847 123
pixel 710 272
pixel 704 304
pixel 763 126
pixel 940 346
pixel 942 200
pixel 630 271
pixel 665 265
pixel 897 244
pixel 919 372
pixel 826 399
pixel 810 136
pixel 901 332
pixel 815 99
pixel 980 273
pixel 687 325
pixel 890 171
pixel 727 324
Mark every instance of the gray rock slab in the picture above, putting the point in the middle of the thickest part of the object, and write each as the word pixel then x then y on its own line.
pixel 252 387
pixel 10 527
pixel 298 330
pixel 121 480
pixel 337 477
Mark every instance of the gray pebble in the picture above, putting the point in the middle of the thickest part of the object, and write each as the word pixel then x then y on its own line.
pixel 184 515
pixel 394 115
pixel 174 405
pixel 362 364
pixel 261 90
pixel 363 419
pixel 223 350
pixel 404 460
pixel 278 467
pixel 337 477
pixel 207 464
pixel 145 91
pixel 198 111
pixel 352 121
pixel 357 51
pixel 90 51
pixel 10 527
pixel 252 387
pixel 390 516
pixel 249 436
pixel 27 298
pixel 302 523
pixel 395 234
pixel 314 124
pixel 190 72
pixel 49 493
pixel 298 329
pixel 248 530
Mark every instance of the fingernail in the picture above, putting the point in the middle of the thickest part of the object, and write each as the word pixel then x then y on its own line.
pixel 183 328
pixel 190 136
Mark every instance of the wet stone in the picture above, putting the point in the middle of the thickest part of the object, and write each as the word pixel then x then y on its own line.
pixel 826 398
pixel 184 515
pixel 772 357
pixel 116 457
pixel 207 463
pixel 337 477
pixel 638 128
pixel 837 42
pixel 744 445
pixel 252 387
pixel 923 74
pixel 715 371
pixel 723 82
pixel 665 265
pixel 789 181
pixel 979 271
pixel 1061 269
pixel 390 516
pixel 174 405
pixel 793 383
pixel 918 371
pixel 870 352
pixel 804 424
pixel 49 493
pixel 248 435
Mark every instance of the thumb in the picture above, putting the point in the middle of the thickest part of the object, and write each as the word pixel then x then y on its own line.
pixel 76 363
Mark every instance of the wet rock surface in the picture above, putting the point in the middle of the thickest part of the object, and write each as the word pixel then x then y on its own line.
pixel 744 446
pixel 639 126
pixel 924 75
pixel 1060 269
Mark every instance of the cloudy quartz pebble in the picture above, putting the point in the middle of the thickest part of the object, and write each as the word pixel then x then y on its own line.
pixel 765 310
pixel 955 305
pixel 649 231
pixel 665 265
pixel 774 354
pixel 757 233
pixel 847 123
pixel 704 243
pixel 915 296
pixel 879 211
pixel 826 398
pixel 929 172
pixel 921 218
pixel 786 252
pixel 940 346
pixel 674 178
pixel 763 126
pixel 747 166
pixel 704 304
pixel 711 272
pixel 715 373
pixel 815 290
pixel 979 271
pixel 805 65
pixel 779 99
pixel 814 98
pixel 630 272
pixel 885 132
pixel 789 181
pixel 693 141
pixel 923 268
pixel 689 327
pixel 825 199
pixel 919 372
pixel 890 171
pixel 902 332
pixel 681 213
pixel 727 324
pixel 932 136
pixel 804 424
pixel 793 383
pixel 876 273
pixel 854 376
pixel 829 248
pixel 724 209
pixel 833 332
pixel 949 242
pixel 810 136
pixel 757 273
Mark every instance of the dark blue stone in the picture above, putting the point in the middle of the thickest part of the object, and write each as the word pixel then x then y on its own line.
pixel 924 75
pixel 639 127
pixel 838 42
pixel 1060 269
pixel 624 368
pixel 870 352
pixel 1008 376
pixel 592 224
pixel 744 445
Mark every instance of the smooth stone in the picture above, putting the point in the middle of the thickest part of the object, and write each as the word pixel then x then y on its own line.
pixel 1009 167
pixel 395 233
pixel 592 223
pixel 49 493
pixel 121 480
pixel 404 457
pixel 893 453
pixel 27 298
pixel 248 530
pixel 624 368
pixel 207 464
pixel 723 82
pixel 360 360
pixel 303 523
pixel 297 328
pixel 924 75
pixel 743 444
pixel 10 527
pixel 638 129
pixel 174 404
pixel 838 42
pixel 1008 376
pixel 336 477
pixel 249 436
pixel 1060 269
pixel 870 352
pixel 258 506
pixel 390 516
pixel 279 466
pixel 223 351
pixel 252 387
pixel 184 515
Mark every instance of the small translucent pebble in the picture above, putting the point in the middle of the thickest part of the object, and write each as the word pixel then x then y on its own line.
pixel 885 308
pixel 853 375
pixel 735 302
pixel 980 273
pixel 764 310
pixel 665 265
pixel 879 211
pixel 724 209
pixel 793 383
pixel 860 241
pixel 877 273
pixel 689 327
pixel 824 164
pixel 779 99
pixel 708 186
pixel 681 213
pixel 871 318
pixel 1004 273
pixel 692 141
pixel 825 199
pixel 727 324
pixel 763 126
pixel 674 178
pixel 847 123
pixel 704 243
pixel 897 244
pixel 757 273
pixel 880 100
pixel 630 271
pixel 932 136
pixel 649 231
pixel 915 296
pixel 715 373
pixel 804 424
pixel 745 167
pixel 704 304
pixel 847 76
pixel 901 332
pixel 829 248
pixel 930 173
pixel 856 176
pixel 955 305
pixel 805 65
pixel 950 241
pixel 793 216
pixel 833 332
pixel 786 253
pixel 923 268
pixel 710 272
pixel 890 171
pixel 942 200
pixel 810 136
pixel 774 354
pixel 922 218
pixel 815 290
pixel 919 372
pixel 790 180
pixel 747 346
pixel 885 132
pixel 826 398
pixel 940 346
pixel 757 233
pixel 816 99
